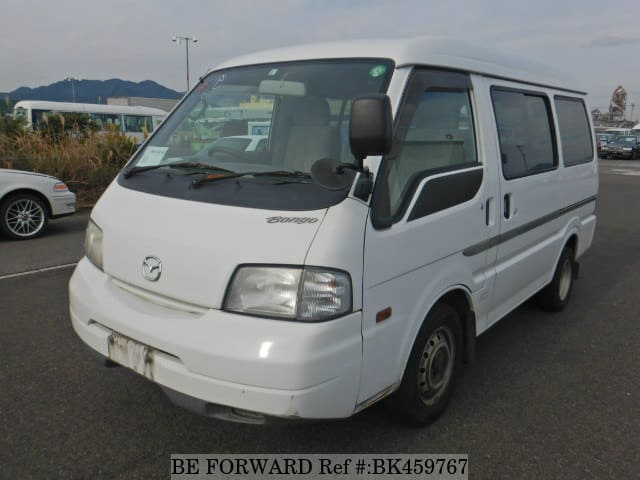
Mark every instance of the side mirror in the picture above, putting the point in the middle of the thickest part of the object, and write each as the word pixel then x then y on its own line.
pixel 370 126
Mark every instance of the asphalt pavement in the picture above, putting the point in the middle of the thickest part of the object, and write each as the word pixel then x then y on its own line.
pixel 549 396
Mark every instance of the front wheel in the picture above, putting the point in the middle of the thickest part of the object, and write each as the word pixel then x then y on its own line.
pixel 430 375
pixel 23 216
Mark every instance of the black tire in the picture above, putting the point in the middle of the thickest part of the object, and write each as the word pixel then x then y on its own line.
pixel 34 210
pixel 440 336
pixel 555 296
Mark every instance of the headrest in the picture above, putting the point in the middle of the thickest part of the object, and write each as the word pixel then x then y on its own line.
pixel 305 111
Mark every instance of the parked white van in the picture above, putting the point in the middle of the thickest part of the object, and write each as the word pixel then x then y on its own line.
pixel 353 258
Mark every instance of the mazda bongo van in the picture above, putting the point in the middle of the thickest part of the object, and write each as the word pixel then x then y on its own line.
pixel 410 193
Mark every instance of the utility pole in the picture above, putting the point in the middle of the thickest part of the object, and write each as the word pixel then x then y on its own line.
pixel 186 39
pixel 73 87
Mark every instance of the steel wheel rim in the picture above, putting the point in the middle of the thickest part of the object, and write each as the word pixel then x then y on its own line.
pixel 436 365
pixel 565 280
pixel 24 217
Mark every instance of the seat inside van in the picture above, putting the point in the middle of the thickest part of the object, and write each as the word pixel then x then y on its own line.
pixel 303 125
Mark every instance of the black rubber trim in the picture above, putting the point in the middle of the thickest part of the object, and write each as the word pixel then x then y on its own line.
pixel 444 192
pixel 504 237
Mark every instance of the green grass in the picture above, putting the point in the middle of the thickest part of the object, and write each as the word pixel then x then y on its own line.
pixel 85 160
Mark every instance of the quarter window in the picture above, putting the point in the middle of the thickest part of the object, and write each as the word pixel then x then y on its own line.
pixel 437 135
pixel 575 134
pixel 106 121
pixel 138 124
pixel 526 136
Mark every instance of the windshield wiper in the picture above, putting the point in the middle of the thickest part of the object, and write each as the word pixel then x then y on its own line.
pixel 275 173
pixel 133 170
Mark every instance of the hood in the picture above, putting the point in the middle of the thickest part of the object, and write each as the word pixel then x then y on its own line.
pixel 24 172
pixel 199 244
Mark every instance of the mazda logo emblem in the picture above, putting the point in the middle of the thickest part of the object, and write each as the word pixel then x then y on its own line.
pixel 151 268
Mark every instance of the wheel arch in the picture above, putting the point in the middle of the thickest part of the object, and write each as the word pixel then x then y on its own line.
pixel 572 242
pixel 459 298
pixel 29 191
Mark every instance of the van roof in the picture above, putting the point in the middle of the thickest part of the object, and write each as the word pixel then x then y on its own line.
pixel 432 51
pixel 88 107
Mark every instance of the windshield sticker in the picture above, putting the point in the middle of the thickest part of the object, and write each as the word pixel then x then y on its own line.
pixel 152 156
pixel 378 71
pixel 273 71
pixel 219 82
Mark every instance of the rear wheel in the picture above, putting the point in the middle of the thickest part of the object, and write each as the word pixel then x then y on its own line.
pixel 555 296
pixel 23 216
pixel 430 375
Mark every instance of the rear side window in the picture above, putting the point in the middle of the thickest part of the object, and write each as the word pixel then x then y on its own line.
pixel 575 134
pixel 525 130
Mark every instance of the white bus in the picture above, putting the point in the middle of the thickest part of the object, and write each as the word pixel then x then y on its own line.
pixel 134 121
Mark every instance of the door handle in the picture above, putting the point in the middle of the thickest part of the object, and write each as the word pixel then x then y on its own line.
pixel 507 206
pixel 488 214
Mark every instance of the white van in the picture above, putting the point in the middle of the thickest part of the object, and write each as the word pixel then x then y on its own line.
pixel 353 258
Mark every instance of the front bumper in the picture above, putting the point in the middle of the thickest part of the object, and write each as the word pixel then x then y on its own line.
pixel 619 153
pixel 62 204
pixel 279 368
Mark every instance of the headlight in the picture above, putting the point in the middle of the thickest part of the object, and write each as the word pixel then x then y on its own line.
pixel 627 149
pixel 306 294
pixel 93 244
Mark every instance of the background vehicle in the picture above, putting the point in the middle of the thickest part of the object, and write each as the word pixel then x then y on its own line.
pixel 602 139
pixel 617 131
pixel 29 200
pixel 136 122
pixel 623 146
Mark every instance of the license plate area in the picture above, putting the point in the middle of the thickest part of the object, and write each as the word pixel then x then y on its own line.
pixel 131 354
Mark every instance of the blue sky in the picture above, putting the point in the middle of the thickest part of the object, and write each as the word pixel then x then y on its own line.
pixel 44 41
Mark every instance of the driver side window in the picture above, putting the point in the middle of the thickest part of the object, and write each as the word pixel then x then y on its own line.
pixel 436 135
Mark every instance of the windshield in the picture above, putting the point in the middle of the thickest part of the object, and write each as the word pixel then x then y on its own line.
pixel 624 139
pixel 20 112
pixel 280 117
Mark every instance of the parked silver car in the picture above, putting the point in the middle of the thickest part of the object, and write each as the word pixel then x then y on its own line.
pixel 28 200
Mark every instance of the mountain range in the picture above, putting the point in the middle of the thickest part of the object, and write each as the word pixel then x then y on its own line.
pixel 92 91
